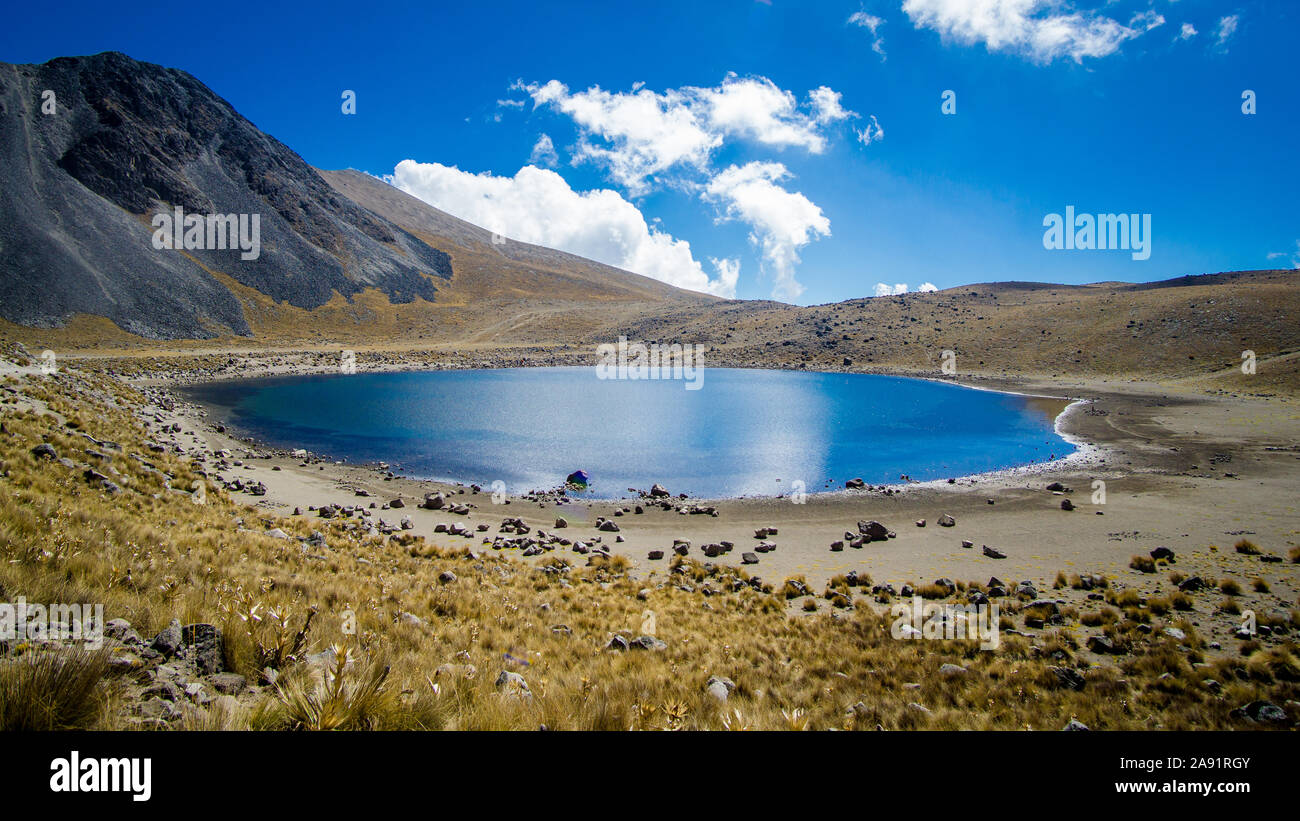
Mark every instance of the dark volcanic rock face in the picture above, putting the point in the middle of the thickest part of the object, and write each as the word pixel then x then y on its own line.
pixel 79 187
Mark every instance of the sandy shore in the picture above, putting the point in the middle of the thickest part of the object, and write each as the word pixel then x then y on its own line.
pixel 1181 470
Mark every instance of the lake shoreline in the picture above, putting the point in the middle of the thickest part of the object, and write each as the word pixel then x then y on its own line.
pixel 1084 452
pixel 1158 448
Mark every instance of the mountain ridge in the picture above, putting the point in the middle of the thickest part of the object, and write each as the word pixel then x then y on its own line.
pixel 126 140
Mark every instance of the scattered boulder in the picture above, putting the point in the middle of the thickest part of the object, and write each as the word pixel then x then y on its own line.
pixel 45 451
pixel 993 553
pixel 873 530
pixel 169 640
pixel 946 521
pixel 1102 645
pixel 1262 712
pixel 513 684
pixel 231 684
pixel 1068 677
pixel 617 643
pixel 719 687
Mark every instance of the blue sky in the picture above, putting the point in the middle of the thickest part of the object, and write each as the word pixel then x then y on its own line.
pixel 785 149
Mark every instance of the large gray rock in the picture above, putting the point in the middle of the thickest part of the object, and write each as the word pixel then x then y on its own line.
pixel 873 530
pixel 169 639
pixel 513 684
pixel 719 687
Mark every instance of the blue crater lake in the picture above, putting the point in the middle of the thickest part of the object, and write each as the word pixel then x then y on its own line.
pixel 743 432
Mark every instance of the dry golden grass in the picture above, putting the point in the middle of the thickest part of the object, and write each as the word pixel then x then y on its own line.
pixel 150 554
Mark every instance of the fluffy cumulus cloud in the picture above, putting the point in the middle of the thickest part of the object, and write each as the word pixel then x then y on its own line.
pixel 1187 32
pixel 536 205
pixel 885 289
pixel 645 139
pixel 641 135
pixel 781 222
pixel 1042 30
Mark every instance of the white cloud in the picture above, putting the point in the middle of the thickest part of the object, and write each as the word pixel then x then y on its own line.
pixel 1147 20
pixel 641 135
pixel 1293 258
pixel 1226 28
pixel 510 103
pixel 826 104
pixel 544 152
pixel 883 289
pixel 927 287
pixel 872 23
pixel 1041 30
pixel 536 205
pixel 755 108
pixel 781 221
pixel 871 133
pixel 1187 32
pixel 644 139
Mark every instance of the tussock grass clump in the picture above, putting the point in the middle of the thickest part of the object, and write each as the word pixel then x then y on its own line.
pixel 346 694
pixel 52 689
pixel 1094 581
pixel 1246 547
pixel 795 587
pixel 1125 598
pixel 1098 618
pixel 1294 554
pixel 1144 564
pixel 934 591
pixel 1229 587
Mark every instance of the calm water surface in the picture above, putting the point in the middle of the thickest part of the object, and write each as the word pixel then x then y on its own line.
pixel 743 432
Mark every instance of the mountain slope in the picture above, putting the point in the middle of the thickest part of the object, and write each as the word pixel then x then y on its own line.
pixel 128 141
pixel 507 268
